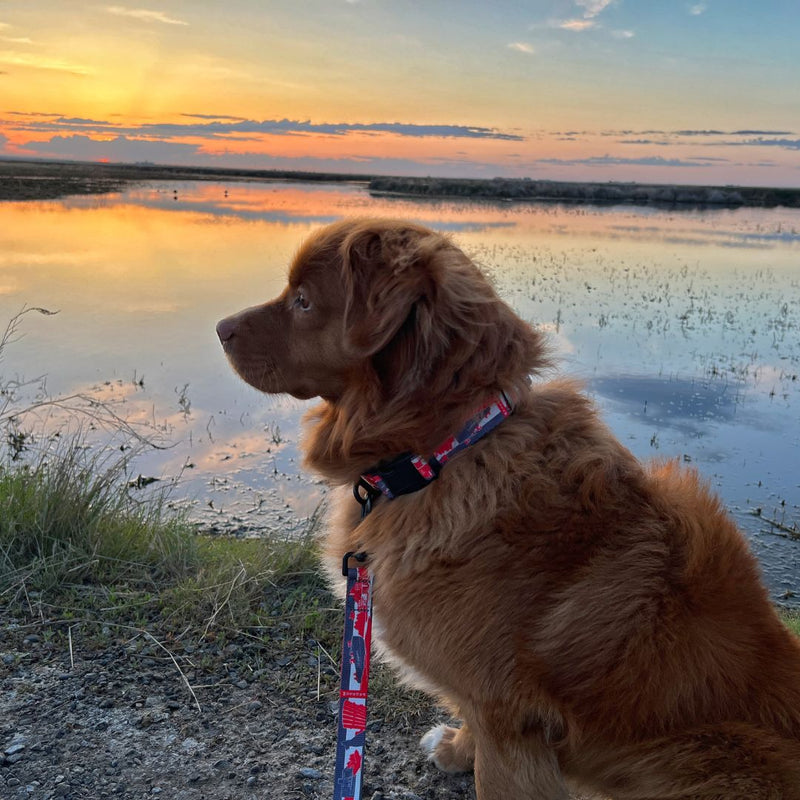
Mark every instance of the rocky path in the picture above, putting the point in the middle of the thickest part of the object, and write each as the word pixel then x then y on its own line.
pixel 116 720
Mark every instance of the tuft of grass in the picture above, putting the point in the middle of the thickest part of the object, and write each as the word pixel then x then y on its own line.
pixel 68 522
pixel 75 544
pixel 791 618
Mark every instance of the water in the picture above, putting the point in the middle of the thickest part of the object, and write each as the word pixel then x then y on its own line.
pixel 684 325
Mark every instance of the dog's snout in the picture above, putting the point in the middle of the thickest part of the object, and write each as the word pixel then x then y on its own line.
pixel 226 329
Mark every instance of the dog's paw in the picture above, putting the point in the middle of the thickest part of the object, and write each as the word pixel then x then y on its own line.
pixel 450 749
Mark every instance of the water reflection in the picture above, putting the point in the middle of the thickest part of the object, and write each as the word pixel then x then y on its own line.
pixel 685 405
pixel 683 325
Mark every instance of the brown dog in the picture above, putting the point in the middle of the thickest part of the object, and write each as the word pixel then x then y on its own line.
pixel 594 622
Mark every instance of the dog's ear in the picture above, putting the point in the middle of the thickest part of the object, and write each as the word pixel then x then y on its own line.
pixel 385 276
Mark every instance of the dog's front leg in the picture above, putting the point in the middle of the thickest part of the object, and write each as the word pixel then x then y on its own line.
pixel 517 770
pixel 450 749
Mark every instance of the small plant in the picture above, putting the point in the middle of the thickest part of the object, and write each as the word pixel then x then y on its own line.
pixel 17 440
pixel 183 400
pixel 274 431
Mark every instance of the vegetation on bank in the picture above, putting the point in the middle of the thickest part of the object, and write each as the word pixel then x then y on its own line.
pixel 42 180
pixel 82 561
pixel 47 180
pixel 76 545
pixel 632 193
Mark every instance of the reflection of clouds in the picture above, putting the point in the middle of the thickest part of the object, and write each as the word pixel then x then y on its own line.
pixel 222 210
pixel 686 405
pixel 150 307
pixel 308 209
pixel 556 338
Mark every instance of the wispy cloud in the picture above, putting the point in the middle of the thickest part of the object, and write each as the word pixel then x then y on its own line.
pixel 788 144
pixel 623 34
pixel 575 24
pixel 697 9
pixel 591 8
pixel 215 116
pixel 124 149
pixel 16 39
pixel 145 15
pixel 588 20
pixel 705 132
pixel 648 161
pixel 222 126
pixel 521 47
pixel 15 59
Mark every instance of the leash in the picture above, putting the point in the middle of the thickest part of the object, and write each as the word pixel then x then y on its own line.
pixel 403 475
pixel 348 774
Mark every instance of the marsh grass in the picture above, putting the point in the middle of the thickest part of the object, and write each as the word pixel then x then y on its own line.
pixel 76 542
pixel 792 619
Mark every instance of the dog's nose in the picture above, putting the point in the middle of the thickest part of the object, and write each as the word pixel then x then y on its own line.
pixel 226 329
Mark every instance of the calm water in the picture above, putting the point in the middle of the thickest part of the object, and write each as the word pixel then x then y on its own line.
pixel 684 325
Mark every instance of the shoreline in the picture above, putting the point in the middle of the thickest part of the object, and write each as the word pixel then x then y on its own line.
pixel 23 180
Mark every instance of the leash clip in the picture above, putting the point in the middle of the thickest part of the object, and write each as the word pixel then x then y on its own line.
pixel 366 499
pixel 360 557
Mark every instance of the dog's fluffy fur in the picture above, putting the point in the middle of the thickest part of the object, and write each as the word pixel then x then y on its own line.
pixel 592 620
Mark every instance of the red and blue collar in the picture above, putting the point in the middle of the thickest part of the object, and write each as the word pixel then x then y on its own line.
pixel 409 473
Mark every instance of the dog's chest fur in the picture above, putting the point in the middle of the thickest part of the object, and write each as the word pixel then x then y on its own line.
pixel 342 536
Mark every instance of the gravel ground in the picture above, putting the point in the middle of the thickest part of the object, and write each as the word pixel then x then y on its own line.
pixel 114 718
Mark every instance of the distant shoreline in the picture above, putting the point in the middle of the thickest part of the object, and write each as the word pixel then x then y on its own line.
pixel 48 180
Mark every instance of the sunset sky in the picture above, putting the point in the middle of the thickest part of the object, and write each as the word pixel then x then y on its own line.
pixel 646 90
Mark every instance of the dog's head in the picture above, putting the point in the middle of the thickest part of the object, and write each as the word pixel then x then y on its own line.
pixel 385 308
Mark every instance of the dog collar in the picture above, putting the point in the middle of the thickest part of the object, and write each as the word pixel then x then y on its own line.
pixel 409 472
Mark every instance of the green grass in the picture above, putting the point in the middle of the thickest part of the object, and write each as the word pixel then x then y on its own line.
pixel 80 557
pixel 792 620
pixel 75 544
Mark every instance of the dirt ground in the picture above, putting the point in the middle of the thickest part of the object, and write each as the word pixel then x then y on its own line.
pixel 116 720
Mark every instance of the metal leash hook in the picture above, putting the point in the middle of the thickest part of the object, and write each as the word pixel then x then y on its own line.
pixel 364 500
pixel 360 557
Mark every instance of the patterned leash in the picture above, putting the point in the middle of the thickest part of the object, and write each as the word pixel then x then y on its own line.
pixel 403 475
pixel 347 781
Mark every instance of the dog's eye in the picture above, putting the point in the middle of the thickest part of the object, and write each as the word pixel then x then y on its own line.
pixel 302 302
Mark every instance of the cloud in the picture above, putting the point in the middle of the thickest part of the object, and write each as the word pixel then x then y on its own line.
pixel 697 9
pixel 222 126
pixel 215 116
pixel 646 161
pixel 623 34
pixel 123 149
pixel 709 132
pixel 521 47
pixel 591 8
pixel 16 39
pixel 13 58
pixel 144 15
pixel 120 148
pixel 576 24
pixel 788 144
pixel 761 133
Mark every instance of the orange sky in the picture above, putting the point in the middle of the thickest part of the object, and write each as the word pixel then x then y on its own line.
pixel 567 89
